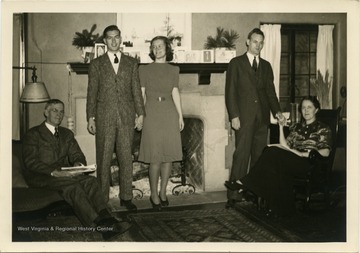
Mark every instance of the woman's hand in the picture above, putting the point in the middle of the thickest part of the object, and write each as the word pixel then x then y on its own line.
pixel 139 122
pixel 181 123
pixel 281 119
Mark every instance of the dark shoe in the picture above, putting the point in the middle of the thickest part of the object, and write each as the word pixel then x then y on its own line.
pixel 164 202
pixel 128 205
pixel 230 203
pixel 109 232
pixel 156 207
pixel 250 197
pixel 232 185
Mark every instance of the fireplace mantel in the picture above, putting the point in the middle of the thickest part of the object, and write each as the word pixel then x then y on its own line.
pixel 204 70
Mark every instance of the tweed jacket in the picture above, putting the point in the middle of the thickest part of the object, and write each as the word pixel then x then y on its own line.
pixel 43 153
pixel 109 93
pixel 244 89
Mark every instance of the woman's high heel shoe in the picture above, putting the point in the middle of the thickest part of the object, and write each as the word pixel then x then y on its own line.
pixel 156 207
pixel 164 202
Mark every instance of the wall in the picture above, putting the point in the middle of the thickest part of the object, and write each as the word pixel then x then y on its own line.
pixel 50 37
pixel 205 24
pixel 50 43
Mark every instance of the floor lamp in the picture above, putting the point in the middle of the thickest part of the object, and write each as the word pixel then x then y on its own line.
pixel 33 92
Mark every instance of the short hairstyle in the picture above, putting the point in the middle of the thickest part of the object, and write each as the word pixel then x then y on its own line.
pixel 169 51
pixel 312 99
pixel 53 102
pixel 256 31
pixel 111 28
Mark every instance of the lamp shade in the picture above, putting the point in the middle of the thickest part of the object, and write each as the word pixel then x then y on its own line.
pixel 34 92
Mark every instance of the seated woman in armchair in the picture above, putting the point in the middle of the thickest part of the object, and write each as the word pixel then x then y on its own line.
pixel 271 178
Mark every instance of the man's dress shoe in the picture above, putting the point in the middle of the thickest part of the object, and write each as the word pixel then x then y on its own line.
pixel 128 205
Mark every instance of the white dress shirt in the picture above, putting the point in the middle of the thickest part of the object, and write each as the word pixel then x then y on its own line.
pixel 112 58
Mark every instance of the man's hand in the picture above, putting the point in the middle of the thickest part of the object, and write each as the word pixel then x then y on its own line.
pixel 235 123
pixel 76 164
pixel 281 119
pixel 139 122
pixel 91 126
pixel 64 173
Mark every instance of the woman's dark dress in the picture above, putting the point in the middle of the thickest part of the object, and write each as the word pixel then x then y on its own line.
pixel 272 176
pixel 160 138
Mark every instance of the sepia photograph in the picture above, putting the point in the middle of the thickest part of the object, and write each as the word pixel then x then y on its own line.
pixel 153 126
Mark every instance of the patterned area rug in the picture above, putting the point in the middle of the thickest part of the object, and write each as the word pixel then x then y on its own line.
pixel 219 225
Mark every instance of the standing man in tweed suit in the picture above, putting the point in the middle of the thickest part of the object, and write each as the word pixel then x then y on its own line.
pixel 249 96
pixel 114 108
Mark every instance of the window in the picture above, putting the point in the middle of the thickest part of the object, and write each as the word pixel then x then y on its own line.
pixel 298 62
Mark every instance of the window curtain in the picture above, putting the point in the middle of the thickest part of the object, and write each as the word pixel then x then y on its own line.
pixel 324 64
pixel 272 53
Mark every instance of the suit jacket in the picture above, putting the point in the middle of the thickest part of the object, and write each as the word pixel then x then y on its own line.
pixel 245 89
pixel 43 153
pixel 109 93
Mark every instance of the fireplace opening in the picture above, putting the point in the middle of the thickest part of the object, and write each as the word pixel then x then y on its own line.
pixel 192 138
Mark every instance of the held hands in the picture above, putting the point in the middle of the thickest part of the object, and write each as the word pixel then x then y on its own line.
pixel 281 119
pixel 139 122
pixel 91 126
pixel 235 123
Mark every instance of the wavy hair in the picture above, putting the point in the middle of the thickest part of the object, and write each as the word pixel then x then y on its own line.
pixel 169 51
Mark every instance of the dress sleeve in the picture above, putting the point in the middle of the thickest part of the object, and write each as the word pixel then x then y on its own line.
pixel 290 139
pixel 175 77
pixel 325 139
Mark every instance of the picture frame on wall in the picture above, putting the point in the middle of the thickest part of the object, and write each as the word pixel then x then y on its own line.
pixel 99 50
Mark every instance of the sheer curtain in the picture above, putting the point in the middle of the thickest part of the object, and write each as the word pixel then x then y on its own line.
pixel 272 53
pixel 324 64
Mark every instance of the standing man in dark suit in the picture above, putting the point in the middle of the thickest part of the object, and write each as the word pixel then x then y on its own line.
pixel 49 147
pixel 249 96
pixel 114 108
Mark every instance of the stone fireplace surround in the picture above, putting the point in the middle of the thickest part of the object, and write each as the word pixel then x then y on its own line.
pixel 205 102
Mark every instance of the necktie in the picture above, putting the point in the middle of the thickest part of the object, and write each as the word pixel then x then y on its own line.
pixel 116 60
pixel 254 64
pixel 56 134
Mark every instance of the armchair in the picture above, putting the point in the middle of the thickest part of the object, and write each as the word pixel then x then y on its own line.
pixel 317 180
pixel 28 201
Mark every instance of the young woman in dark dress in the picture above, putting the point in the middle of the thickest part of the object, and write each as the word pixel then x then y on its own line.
pixel 272 176
pixel 160 140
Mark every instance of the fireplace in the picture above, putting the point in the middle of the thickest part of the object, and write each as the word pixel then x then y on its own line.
pixel 210 109
pixel 209 159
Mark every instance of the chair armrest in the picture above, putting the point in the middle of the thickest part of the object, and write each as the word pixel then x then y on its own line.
pixel 315 156
pixel 319 164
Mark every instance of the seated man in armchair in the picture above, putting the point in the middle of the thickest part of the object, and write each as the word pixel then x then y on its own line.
pixel 48 147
